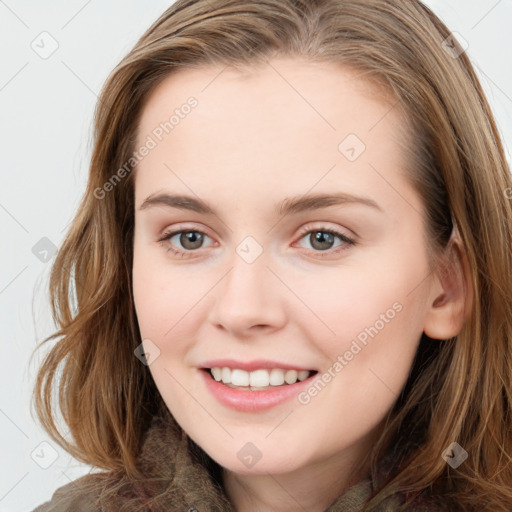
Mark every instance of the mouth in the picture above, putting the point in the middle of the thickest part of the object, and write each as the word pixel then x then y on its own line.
pixel 263 379
pixel 256 386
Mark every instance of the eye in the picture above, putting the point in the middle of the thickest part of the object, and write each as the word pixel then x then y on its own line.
pixel 322 239
pixel 190 240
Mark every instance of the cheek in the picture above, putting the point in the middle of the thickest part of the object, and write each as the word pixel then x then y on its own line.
pixel 167 302
pixel 372 321
pixel 387 294
pixel 163 297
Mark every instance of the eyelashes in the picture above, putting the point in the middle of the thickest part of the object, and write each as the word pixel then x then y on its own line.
pixel 328 236
pixel 347 241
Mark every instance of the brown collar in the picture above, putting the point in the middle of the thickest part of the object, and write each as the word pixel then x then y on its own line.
pixel 180 476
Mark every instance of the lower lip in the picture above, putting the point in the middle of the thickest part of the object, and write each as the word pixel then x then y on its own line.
pixel 253 401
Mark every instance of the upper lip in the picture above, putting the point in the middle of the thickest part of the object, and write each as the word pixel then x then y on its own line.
pixel 250 366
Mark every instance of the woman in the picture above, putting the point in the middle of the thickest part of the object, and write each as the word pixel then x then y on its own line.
pixel 292 270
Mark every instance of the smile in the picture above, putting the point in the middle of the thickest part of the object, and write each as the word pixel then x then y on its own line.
pixel 258 379
pixel 246 396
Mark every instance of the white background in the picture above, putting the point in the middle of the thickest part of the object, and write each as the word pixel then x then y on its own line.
pixel 46 115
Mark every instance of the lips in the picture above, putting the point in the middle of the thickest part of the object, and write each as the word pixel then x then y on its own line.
pixel 254 399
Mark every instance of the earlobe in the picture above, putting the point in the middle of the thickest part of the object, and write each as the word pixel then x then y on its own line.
pixel 451 297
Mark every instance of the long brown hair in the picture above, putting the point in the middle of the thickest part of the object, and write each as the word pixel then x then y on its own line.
pixel 459 389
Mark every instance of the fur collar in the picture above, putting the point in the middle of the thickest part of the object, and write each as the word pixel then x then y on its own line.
pixel 180 476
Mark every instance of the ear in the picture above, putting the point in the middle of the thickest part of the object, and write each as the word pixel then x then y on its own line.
pixel 451 293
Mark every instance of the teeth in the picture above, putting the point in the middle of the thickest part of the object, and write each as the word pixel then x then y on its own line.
pixel 290 377
pixel 258 378
pixel 238 377
pixel 226 375
pixel 276 377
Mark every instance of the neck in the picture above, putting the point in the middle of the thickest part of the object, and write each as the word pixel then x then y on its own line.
pixel 311 488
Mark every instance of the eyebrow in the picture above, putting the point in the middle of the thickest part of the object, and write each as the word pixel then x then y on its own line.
pixel 288 206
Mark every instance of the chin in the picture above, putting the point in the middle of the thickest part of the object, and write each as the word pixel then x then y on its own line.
pixel 260 464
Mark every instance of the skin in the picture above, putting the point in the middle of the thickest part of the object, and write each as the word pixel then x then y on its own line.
pixel 254 139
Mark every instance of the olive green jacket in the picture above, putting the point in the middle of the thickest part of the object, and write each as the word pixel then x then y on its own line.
pixel 180 477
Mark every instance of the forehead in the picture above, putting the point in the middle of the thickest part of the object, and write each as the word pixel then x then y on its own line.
pixel 316 88
pixel 284 123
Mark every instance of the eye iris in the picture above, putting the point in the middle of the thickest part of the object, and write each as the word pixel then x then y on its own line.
pixel 191 236
pixel 322 238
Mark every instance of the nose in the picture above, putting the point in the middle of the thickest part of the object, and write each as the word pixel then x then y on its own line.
pixel 248 300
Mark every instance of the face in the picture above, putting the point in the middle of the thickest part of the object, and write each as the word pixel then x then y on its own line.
pixel 250 273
